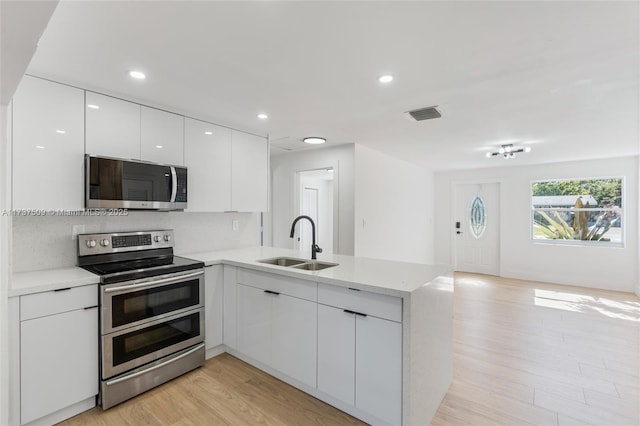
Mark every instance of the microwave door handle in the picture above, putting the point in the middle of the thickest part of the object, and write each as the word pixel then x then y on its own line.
pixel 174 184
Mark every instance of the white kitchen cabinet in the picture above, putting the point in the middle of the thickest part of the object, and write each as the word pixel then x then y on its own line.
pixel 336 353
pixel 48 146
pixel 58 352
pixel 360 355
pixel 214 299
pixel 379 368
pixel 112 127
pixel 161 136
pixel 249 172
pixel 207 156
pixel 279 331
pixel 230 308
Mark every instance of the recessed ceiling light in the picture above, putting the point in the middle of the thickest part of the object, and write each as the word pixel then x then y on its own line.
pixel 39 146
pixel 314 140
pixel 159 146
pixel 92 106
pixel 208 133
pixel 527 149
pixel 488 155
pixel 263 116
pixel 138 75
pixel 62 132
pixel 385 78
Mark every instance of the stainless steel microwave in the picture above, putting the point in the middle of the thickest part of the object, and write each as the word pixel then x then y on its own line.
pixel 130 184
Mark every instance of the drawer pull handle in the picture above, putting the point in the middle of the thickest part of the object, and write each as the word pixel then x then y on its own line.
pixel 354 289
pixel 63 289
pixel 271 292
pixel 354 312
pixel 90 307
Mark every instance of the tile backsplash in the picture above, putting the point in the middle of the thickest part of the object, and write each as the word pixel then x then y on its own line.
pixel 46 242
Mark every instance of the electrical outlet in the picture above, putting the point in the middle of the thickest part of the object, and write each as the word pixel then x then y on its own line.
pixel 77 229
pixel 234 224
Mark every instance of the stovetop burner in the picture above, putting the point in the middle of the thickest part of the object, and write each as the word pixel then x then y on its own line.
pixel 130 256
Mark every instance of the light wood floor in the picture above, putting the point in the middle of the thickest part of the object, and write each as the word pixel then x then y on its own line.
pixel 524 353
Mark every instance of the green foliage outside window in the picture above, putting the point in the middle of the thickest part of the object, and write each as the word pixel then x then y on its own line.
pixel 580 209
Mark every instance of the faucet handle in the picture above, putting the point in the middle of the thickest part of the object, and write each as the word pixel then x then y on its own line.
pixel 318 249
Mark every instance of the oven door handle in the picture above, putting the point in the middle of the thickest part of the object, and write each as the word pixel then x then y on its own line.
pixel 155 367
pixel 153 283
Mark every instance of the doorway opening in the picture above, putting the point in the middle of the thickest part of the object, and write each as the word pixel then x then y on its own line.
pixel 315 195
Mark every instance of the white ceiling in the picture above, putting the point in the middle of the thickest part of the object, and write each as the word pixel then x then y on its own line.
pixel 562 77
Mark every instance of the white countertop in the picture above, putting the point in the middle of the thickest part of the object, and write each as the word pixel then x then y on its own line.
pixel 50 279
pixel 380 276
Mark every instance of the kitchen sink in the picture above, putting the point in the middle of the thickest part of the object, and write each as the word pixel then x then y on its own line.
pixel 283 261
pixel 308 265
pixel 315 266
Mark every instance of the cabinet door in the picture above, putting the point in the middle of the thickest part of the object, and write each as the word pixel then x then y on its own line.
pixel 207 155
pixel 336 353
pixel 254 323
pixel 213 293
pixel 59 362
pixel 379 368
pixel 113 127
pixel 161 137
pixel 230 308
pixel 294 337
pixel 48 146
pixel 249 172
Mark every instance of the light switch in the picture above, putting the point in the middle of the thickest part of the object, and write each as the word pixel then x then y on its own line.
pixel 234 224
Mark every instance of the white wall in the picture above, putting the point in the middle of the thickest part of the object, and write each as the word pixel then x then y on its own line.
pixel 324 225
pixel 393 208
pixel 4 270
pixel 599 267
pixel 284 199
pixel 45 242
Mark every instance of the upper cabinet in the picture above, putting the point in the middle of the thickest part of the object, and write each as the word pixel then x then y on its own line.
pixel 207 155
pixel 162 137
pixel 249 172
pixel 113 127
pixel 48 146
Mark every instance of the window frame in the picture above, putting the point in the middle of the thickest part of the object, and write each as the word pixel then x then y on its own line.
pixel 580 243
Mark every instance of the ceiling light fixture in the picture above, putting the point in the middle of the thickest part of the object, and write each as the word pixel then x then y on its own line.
pixel 508 151
pixel 92 106
pixel 208 133
pixel 159 146
pixel 262 116
pixel 314 140
pixel 385 78
pixel 39 146
pixel 138 75
pixel 62 132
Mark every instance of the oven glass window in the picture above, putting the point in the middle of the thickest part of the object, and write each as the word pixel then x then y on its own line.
pixel 136 344
pixel 139 305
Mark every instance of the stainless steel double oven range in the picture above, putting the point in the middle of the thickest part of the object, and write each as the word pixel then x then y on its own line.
pixel 152 311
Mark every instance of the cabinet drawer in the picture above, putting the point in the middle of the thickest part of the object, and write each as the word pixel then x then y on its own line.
pixel 281 284
pixel 377 305
pixel 54 302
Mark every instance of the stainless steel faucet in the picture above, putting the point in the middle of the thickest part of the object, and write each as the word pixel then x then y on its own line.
pixel 314 247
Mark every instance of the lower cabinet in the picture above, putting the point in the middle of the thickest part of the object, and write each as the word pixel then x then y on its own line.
pixel 279 331
pixel 360 356
pixel 58 351
pixel 213 303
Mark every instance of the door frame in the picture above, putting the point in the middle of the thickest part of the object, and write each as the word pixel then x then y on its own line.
pixel 295 205
pixel 453 252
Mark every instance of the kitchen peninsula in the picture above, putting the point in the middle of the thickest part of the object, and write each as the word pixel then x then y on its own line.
pixel 370 337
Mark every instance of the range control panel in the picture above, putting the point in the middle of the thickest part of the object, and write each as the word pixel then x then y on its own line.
pixel 89 244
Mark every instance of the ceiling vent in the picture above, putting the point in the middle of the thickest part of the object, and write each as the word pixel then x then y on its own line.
pixel 425 113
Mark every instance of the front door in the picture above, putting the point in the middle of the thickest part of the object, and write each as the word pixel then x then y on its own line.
pixel 477 228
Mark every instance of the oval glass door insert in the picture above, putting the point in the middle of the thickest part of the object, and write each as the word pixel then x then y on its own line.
pixel 477 216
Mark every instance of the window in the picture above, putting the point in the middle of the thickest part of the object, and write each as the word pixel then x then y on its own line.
pixel 583 211
pixel 477 216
